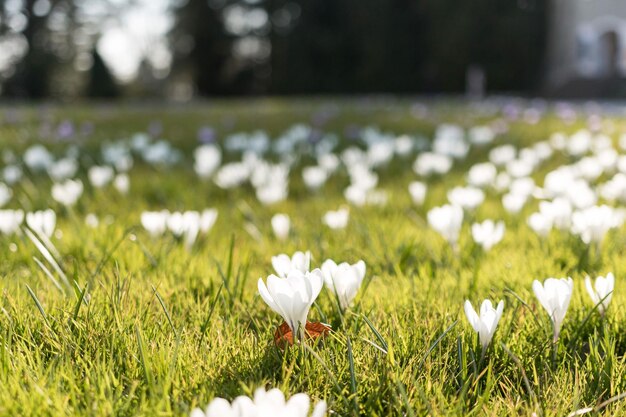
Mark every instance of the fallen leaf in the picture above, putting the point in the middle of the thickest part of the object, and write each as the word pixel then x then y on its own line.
pixel 283 336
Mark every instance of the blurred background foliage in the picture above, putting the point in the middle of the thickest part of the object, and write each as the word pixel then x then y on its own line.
pixel 53 48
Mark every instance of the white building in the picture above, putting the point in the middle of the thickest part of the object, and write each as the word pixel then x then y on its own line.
pixel 587 42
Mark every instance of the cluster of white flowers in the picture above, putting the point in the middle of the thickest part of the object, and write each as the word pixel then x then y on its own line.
pixel 264 403
pixel 187 225
pixel 66 188
pixel 294 288
pixel 567 200
pixel 553 294
pixel 42 222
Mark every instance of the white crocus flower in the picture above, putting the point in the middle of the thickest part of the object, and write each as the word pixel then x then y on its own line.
pixel 502 154
pixel 12 174
pixel 5 194
pixel 99 176
pixel 540 223
pixel 270 403
pixel 122 183
pixel 208 217
pixel 281 225
pixel 449 140
pixel 336 219
pixel 293 296
pixel 403 145
pixel 207 160
pixel 488 233
pixel 155 222
pixel 43 222
pixel 601 291
pixel 581 195
pixel 175 223
pixel 356 195
pixel 429 163
pixel 482 175
pixel 520 168
pixel 283 264
pixel 329 161
pixel 380 153
pixel 63 169
pixel 469 198
pixel 272 193
pixel 92 221
pixel 554 295
pixel 417 189
pixel 502 182
pixel 484 324
pixel 67 192
pixel 185 225
pixel 231 175
pixel 314 177
pixel 37 158
pixel 593 223
pixel 447 221
pixel 10 221
pixel 362 177
pixel 523 186
pixel 481 135
pixel 514 202
pixel 344 280
pixel 559 211
pixel 191 221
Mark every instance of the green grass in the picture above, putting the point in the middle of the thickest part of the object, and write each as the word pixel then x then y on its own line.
pixel 148 328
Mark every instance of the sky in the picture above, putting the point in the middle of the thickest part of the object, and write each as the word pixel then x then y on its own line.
pixel 138 31
pixel 141 31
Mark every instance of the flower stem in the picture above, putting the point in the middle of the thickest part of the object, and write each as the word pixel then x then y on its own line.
pixel 483 354
pixel 555 347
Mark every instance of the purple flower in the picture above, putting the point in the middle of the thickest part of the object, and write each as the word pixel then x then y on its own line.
pixel 65 130
pixel 155 128
pixel 352 132
pixel 315 136
pixel 206 134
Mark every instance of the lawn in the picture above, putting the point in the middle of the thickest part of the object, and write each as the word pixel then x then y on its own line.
pixel 110 320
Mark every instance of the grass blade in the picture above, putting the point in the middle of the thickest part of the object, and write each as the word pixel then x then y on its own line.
pixel 47 256
pixel 79 302
pixel 38 304
pixel 379 336
pixel 434 345
pixel 529 388
pixel 205 325
pixel 142 357
pixel 47 272
pixel 111 251
pixel 329 372
pixel 167 313
pixel 355 402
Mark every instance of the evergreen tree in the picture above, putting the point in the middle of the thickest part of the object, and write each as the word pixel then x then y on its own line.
pixel 200 45
pixel 32 75
pixel 101 83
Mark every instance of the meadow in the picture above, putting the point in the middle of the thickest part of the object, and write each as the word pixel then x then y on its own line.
pixel 102 317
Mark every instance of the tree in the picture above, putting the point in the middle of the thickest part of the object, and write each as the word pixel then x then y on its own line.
pixel 101 83
pixel 50 57
pixel 32 75
pixel 200 45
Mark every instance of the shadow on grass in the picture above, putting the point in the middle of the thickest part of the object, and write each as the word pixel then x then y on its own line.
pixel 255 371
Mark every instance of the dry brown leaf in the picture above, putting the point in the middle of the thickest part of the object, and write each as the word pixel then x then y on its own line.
pixel 283 336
